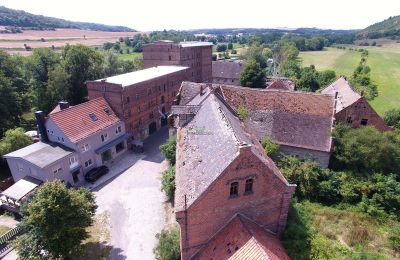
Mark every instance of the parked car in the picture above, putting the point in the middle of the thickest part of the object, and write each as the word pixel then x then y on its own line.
pixel 94 174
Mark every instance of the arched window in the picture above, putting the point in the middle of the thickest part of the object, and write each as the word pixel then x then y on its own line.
pixel 234 189
pixel 249 186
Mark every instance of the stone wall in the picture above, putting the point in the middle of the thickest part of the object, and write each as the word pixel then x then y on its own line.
pixel 321 157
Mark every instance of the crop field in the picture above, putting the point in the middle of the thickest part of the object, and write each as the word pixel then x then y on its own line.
pixel 385 69
pixel 15 42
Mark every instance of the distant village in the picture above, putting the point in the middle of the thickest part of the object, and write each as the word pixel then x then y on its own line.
pixel 231 200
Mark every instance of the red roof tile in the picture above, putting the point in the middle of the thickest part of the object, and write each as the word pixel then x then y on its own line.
pixel 75 122
pixel 242 238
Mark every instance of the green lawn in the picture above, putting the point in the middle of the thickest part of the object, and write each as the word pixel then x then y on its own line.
pixel 385 70
pixel 130 56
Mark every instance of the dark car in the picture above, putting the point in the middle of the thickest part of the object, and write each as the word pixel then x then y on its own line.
pixel 96 173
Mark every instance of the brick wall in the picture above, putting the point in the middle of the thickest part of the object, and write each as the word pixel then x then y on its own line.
pixel 358 111
pixel 268 204
pixel 139 105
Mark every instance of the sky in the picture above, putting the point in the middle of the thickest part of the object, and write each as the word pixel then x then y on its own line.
pixel 148 15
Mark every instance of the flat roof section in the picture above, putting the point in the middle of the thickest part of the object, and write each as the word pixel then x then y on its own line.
pixel 195 44
pixel 135 77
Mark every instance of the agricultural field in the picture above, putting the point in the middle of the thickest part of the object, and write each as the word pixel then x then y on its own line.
pixel 15 42
pixel 385 69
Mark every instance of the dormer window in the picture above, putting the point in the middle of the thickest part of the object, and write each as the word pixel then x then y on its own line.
pixel 107 110
pixel 93 117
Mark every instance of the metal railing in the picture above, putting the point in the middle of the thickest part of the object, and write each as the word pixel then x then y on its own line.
pixel 7 238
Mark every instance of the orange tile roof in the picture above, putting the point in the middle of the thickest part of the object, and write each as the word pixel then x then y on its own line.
pixel 75 121
pixel 242 238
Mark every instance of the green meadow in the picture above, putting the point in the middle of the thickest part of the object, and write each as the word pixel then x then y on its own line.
pixel 385 70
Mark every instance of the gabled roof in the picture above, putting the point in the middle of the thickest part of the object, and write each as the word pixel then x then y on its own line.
pixel 292 118
pixel 228 70
pixel 280 83
pixel 242 238
pixel 138 76
pixel 41 154
pixel 209 143
pixel 81 121
pixel 346 95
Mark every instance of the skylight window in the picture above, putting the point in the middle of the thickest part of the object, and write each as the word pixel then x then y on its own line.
pixel 93 117
pixel 107 111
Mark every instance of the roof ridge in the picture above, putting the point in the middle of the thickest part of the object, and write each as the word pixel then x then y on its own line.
pixel 79 105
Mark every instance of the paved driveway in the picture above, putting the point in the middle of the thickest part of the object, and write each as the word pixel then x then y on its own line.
pixel 134 203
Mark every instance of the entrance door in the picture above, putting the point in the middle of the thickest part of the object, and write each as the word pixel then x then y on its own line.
pixel 106 156
pixel 75 175
pixel 152 128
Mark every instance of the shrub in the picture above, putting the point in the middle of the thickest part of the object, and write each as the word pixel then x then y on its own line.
pixel 394 238
pixel 392 117
pixel 168 247
pixel 168 182
pixel 270 147
pixel 234 52
pixel 243 113
pixel 169 149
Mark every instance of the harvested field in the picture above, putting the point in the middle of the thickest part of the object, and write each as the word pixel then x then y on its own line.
pixel 14 42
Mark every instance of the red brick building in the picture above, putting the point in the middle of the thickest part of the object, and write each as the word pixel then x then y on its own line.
pixel 352 108
pixel 195 55
pixel 222 171
pixel 142 99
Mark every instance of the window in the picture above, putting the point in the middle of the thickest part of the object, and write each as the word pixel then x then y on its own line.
pixel 93 117
pixel 118 130
pixel 104 137
pixel 103 88
pixel 164 88
pixel 20 167
pixel 364 121
pixel 62 139
pixel 128 99
pixel 349 120
pixel 162 100
pixel 88 163
pixel 85 147
pixel 107 110
pixel 169 57
pixel 234 189
pixel 57 170
pixel 72 160
pixel 119 147
pixel 249 186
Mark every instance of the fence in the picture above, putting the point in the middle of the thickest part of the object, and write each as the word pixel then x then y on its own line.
pixel 5 240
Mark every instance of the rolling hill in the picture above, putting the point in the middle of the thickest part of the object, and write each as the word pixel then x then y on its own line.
pixel 387 28
pixel 17 18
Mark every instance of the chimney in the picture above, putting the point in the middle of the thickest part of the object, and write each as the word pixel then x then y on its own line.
pixel 63 105
pixel 40 120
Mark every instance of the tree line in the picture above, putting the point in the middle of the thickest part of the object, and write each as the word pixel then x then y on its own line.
pixel 40 81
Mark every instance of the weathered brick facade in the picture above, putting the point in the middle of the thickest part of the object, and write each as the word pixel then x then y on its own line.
pixel 361 113
pixel 267 205
pixel 144 105
pixel 352 108
pixel 195 55
pixel 214 155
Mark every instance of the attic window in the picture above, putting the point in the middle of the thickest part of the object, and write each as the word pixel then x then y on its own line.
pixel 93 117
pixel 364 121
pixel 107 111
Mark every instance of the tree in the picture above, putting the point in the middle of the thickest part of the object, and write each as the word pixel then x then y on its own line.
pixel 168 246
pixel 81 63
pixel 253 75
pixel 230 46
pixel 168 182
pixel 270 147
pixel 366 150
pixel 169 150
pixel 308 80
pixel 57 85
pixel 221 47
pixel 392 117
pixel 10 107
pixel 55 220
pixel 13 140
